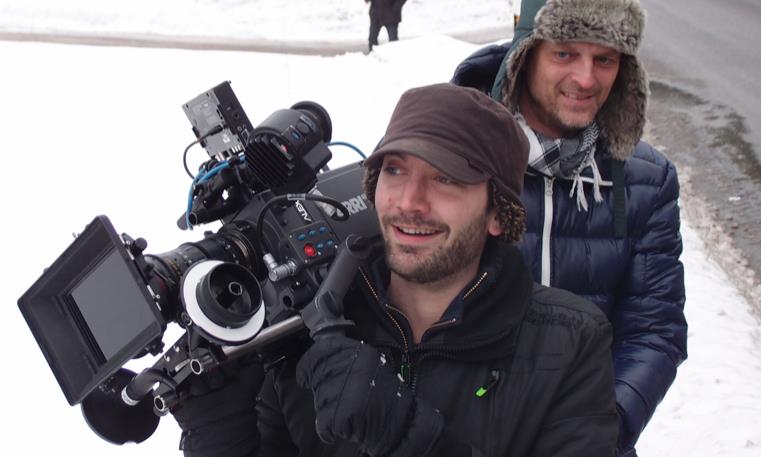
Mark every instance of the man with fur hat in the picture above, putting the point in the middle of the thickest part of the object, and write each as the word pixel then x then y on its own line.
pixel 455 350
pixel 603 219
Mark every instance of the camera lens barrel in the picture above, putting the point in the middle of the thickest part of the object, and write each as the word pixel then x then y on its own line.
pixel 223 301
pixel 231 244
pixel 229 295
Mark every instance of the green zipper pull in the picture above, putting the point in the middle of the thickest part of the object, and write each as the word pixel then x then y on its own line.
pixel 404 369
pixel 485 388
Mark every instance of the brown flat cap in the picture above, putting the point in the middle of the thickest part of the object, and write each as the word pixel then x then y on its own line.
pixel 463 132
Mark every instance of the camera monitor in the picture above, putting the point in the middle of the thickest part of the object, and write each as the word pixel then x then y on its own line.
pixel 91 311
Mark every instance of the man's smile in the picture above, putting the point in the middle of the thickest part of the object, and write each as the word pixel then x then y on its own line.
pixel 578 99
pixel 416 231
pixel 415 235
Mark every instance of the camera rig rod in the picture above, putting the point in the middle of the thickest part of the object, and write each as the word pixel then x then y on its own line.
pixel 282 329
pixel 183 359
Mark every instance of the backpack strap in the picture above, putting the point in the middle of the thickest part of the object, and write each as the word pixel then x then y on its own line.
pixel 619 199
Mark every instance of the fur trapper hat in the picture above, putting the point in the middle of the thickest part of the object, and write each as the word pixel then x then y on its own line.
pixel 618 24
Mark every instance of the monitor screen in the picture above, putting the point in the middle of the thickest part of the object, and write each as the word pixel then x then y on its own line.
pixel 91 310
pixel 112 305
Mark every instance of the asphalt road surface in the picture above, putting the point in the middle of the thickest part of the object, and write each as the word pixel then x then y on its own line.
pixel 704 62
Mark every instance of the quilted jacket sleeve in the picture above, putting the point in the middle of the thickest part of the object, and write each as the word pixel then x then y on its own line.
pixel 479 68
pixel 650 338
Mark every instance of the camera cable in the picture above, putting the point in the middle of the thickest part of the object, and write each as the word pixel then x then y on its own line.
pixel 211 132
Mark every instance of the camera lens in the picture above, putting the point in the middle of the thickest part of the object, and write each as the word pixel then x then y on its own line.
pixel 229 295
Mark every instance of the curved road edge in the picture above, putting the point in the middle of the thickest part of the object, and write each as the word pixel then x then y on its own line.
pixel 256 44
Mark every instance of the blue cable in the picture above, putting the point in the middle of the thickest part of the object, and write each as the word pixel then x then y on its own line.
pixel 202 177
pixel 349 145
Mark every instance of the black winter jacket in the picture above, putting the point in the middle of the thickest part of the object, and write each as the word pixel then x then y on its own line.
pixel 541 355
pixel 387 12
pixel 634 276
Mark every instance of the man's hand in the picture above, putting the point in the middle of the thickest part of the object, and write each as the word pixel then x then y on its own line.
pixel 217 412
pixel 358 397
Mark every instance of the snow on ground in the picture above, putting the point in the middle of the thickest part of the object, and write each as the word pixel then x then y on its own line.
pixel 291 20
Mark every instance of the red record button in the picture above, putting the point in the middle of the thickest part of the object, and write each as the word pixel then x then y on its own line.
pixel 310 250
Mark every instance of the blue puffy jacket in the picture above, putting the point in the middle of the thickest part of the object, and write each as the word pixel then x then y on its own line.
pixel 622 254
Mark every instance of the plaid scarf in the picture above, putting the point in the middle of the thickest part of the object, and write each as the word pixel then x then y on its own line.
pixel 565 158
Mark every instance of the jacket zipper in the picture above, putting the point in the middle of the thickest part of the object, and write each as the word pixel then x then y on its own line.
pixel 549 183
pixel 405 368
pixel 448 354
pixel 465 296
pixel 493 380
pixel 476 285
pixel 547 229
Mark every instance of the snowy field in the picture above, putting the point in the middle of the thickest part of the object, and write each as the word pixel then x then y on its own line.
pixel 106 132
pixel 292 20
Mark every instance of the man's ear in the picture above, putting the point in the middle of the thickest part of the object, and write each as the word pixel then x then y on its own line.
pixel 494 227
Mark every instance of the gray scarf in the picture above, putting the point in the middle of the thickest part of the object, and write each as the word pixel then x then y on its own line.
pixel 565 158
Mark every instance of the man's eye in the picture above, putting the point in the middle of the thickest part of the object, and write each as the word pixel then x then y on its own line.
pixel 445 180
pixel 606 60
pixel 562 55
pixel 391 170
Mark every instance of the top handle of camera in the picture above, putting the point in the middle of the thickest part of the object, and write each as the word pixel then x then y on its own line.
pixel 324 316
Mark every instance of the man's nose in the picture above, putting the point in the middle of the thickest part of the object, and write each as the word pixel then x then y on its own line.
pixel 584 73
pixel 414 197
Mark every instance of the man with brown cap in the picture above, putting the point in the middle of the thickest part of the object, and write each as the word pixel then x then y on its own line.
pixel 602 206
pixel 455 350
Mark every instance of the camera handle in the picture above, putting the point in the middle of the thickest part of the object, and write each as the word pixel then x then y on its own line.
pixel 324 315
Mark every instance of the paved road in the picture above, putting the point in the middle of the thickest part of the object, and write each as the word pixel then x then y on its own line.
pixel 703 59
pixel 710 48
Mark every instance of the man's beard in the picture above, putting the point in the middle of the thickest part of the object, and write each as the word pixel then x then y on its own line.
pixel 553 117
pixel 445 261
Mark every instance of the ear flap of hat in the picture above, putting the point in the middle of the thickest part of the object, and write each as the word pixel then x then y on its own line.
pixel 370 182
pixel 523 32
pixel 622 117
pixel 513 72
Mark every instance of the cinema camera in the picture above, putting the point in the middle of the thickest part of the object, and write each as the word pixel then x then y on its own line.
pixel 292 238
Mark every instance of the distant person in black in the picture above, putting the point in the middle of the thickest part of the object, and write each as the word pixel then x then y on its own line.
pixel 385 13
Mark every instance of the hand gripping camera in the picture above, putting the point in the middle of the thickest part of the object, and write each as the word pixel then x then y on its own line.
pixel 293 235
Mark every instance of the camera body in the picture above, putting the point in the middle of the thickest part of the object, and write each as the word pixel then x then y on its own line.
pixel 292 232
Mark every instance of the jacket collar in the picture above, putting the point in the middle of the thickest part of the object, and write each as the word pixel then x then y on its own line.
pixel 488 309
